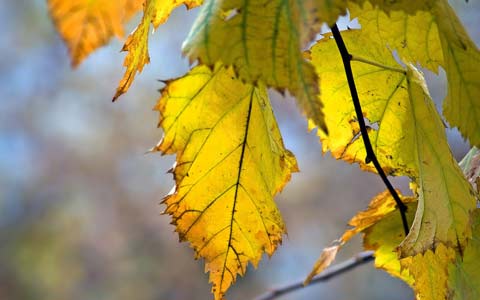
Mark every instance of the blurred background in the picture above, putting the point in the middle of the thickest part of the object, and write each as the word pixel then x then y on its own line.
pixel 79 198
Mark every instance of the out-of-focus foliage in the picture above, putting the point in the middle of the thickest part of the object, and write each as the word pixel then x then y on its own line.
pixel 86 25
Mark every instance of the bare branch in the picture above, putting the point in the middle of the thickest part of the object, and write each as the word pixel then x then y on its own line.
pixel 335 270
pixel 371 157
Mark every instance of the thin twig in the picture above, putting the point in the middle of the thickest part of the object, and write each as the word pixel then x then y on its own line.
pixel 333 271
pixel 371 157
pixel 376 64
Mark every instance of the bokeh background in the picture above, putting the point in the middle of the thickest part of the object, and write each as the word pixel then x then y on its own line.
pixel 79 196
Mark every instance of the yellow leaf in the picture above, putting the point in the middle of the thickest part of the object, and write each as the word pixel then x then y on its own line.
pixel 384 235
pixel 464 277
pixel 155 12
pixel 263 40
pixel 231 161
pixel 430 271
pixel 384 99
pixel 413 36
pixel 379 209
pixel 462 65
pixel 392 6
pixel 432 35
pixel 407 134
pixel 86 25
pixel 445 201
pixel 440 274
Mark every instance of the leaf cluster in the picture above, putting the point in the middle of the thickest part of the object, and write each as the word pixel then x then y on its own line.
pixel 230 157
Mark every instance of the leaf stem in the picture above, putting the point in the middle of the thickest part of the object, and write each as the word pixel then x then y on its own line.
pixel 371 157
pixel 374 63
pixel 338 269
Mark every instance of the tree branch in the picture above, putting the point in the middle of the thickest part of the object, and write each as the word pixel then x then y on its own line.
pixel 371 157
pixel 333 271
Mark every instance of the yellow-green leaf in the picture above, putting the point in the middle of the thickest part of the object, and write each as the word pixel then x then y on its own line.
pixel 156 12
pixel 464 275
pixel 231 161
pixel 379 210
pixel 407 134
pixel 440 274
pixel 430 33
pixel 430 271
pixel 384 99
pixel 446 199
pixel 462 65
pixel 86 25
pixel 413 36
pixel 389 6
pixel 383 237
pixel 263 40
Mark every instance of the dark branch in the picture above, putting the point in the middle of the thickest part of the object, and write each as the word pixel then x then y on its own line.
pixel 338 269
pixel 371 157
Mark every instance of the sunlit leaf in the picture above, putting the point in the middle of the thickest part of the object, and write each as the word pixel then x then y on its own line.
pixel 446 199
pixel 462 65
pixel 379 209
pixel 156 12
pixel 389 6
pixel 464 279
pixel 432 35
pixel 86 25
pixel 414 36
pixel 383 237
pixel 230 163
pixel 407 135
pixel 443 273
pixel 264 42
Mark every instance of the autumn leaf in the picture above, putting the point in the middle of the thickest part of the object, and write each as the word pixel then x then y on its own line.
pixel 414 36
pixel 389 6
pixel 446 201
pixel 430 33
pixel 407 134
pixel 86 25
pixel 440 274
pixel 231 161
pixel 462 65
pixel 383 236
pixel 264 42
pixel 156 12
pixel 379 208
pixel 464 278
pixel 383 97
pixel 443 273
pixel 426 273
